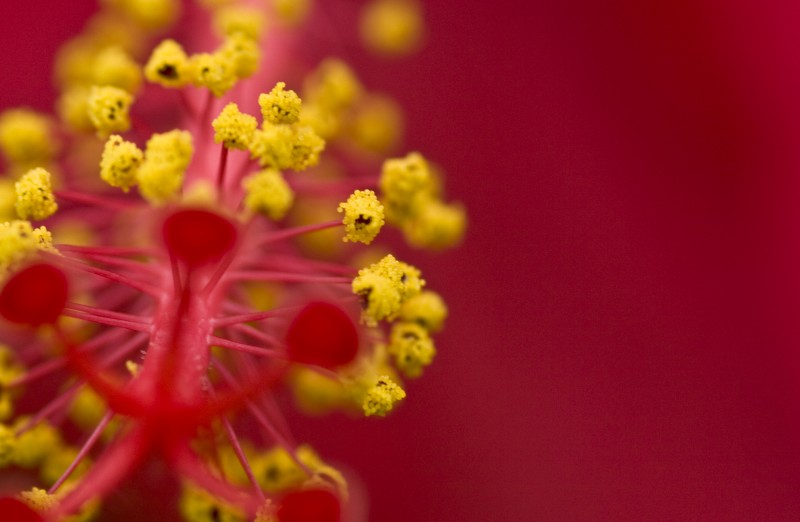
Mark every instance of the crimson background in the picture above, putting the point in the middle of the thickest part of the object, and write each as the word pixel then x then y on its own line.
pixel 624 334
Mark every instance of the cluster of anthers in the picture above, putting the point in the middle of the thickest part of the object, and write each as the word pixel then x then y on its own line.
pixel 169 261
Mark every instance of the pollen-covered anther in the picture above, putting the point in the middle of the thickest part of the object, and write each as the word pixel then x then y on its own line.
pixel 35 198
pixel 113 66
pixel 384 286
pixel 286 146
pixel 166 157
pixel 26 137
pixel 402 181
pixel 242 52
pixel 198 237
pixel 120 162
pixel 198 505
pixel 280 105
pixel 412 348
pixel 427 309
pixel 108 109
pixel 39 500
pixel 231 19
pixel 435 225
pixel 168 65
pixel 266 192
pixel 381 398
pixel 233 128
pixel 212 71
pixel 392 27
pixel 363 216
pixel 18 241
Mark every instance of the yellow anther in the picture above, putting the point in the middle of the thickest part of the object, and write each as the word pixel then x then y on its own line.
pixel 272 146
pixel 6 405
pixel 197 505
pixel 333 86
pixel 35 444
pixel 149 14
pixel 384 286
pixel 402 181
pixel 39 499
pixel 242 52
pixel 114 67
pixel 266 192
pixel 435 225
pixel 382 397
pixel 132 367
pixel 377 124
pixel 380 297
pixel 427 309
pixel 8 200
pixel 212 71
pixel 168 65
pixel 57 462
pixel 26 137
pixel 412 348
pixel 108 109
pixel 239 19
pixel 363 216
pixel 392 27
pixel 276 470
pixel 87 409
pixel 35 198
pixel 120 162
pixel 7 445
pixel 233 128
pixel 316 393
pixel 306 148
pixel 279 105
pixel 73 108
pixel 292 12
pixel 18 241
pixel 166 157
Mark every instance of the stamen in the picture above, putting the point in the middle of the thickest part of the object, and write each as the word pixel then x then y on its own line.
pixel 246 348
pixel 83 451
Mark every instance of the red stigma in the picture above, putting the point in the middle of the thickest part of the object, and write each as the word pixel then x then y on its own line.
pixel 35 295
pixel 15 510
pixel 322 334
pixel 198 237
pixel 313 505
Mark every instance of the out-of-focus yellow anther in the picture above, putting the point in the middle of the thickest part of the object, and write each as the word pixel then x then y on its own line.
pixel 286 147
pixel 233 128
pixel 87 408
pixel 239 19
pixel 266 192
pixel 198 505
pixel 7 444
pixel 8 200
pixel 35 444
pixel 291 12
pixel 266 512
pixel 402 181
pixel 377 124
pixel 35 198
pixel 57 462
pixel 168 65
pixel 306 148
pixel 280 105
pixel 39 500
pixel 166 157
pixel 316 393
pixel 427 309
pixel 392 27
pixel 18 241
pixel 332 85
pixel 276 470
pixel 212 71
pixel 73 108
pixel 113 66
pixel 149 14
pixel 363 216
pixel 120 162
pixel 108 109
pixel 435 225
pixel 242 52
pixel 26 137
pixel 381 398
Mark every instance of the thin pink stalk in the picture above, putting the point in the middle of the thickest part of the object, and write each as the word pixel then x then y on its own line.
pixel 98 200
pixel 101 312
pixel 223 162
pixel 283 277
pixel 242 347
pixel 255 333
pixel 137 285
pixel 107 250
pixel 255 316
pixel 237 449
pixel 135 326
pixel 298 231
pixel 87 446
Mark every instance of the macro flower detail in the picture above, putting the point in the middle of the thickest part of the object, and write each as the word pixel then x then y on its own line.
pixel 183 278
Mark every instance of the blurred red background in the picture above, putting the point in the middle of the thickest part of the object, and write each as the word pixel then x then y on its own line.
pixel 624 341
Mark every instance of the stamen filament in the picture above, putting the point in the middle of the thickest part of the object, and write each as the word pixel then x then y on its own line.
pixel 83 451
pixel 246 348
